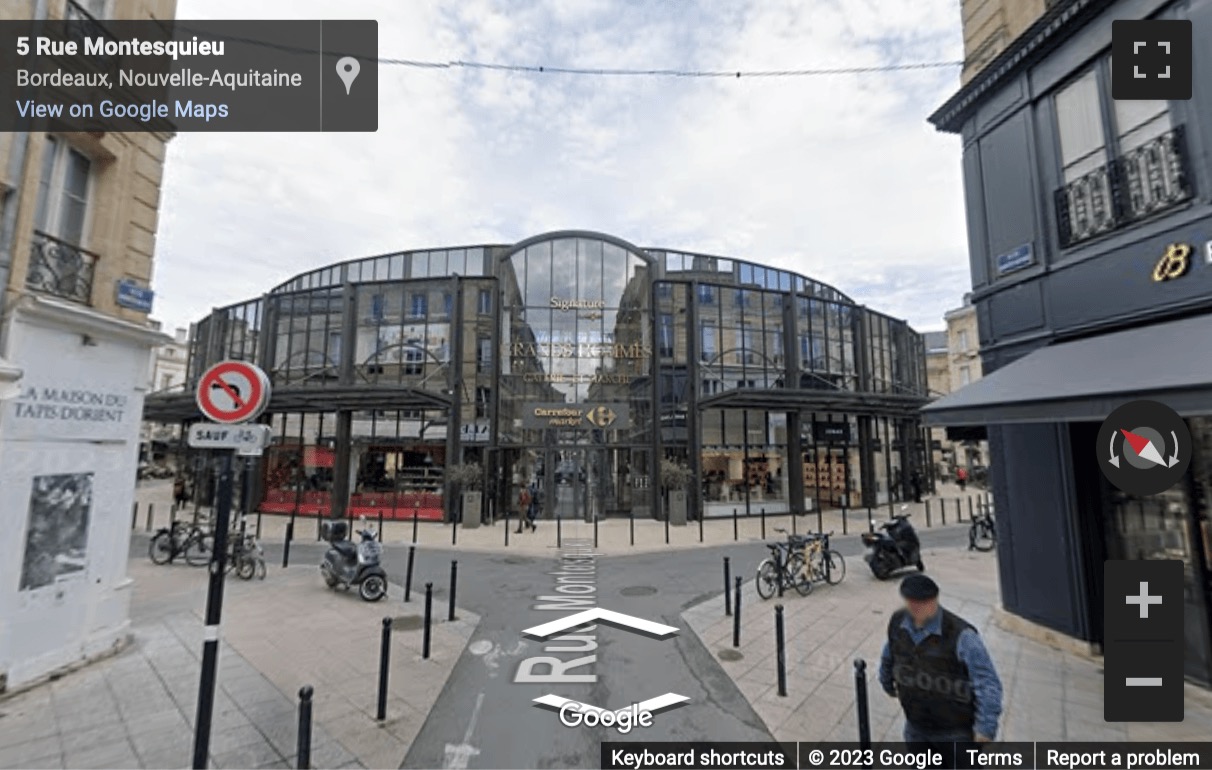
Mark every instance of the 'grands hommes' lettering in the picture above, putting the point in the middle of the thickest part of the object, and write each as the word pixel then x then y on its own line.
pixel 71 404
pixel 580 350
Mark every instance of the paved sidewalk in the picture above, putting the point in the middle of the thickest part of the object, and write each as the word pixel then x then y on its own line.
pixel 137 709
pixel 1050 695
pixel 614 534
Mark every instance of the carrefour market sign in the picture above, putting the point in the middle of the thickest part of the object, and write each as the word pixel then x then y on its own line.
pixel 597 416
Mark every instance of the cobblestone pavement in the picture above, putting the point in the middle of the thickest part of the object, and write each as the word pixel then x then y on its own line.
pixel 1050 694
pixel 137 708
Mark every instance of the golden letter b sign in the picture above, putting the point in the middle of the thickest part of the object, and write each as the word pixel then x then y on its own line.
pixel 1174 263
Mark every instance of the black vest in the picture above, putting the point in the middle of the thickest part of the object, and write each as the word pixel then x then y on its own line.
pixel 932 683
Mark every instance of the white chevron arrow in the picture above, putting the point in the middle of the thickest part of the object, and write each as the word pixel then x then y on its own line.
pixel 630 622
pixel 652 705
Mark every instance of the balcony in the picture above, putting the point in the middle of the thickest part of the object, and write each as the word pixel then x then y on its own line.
pixel 60 269
pixel 1142 182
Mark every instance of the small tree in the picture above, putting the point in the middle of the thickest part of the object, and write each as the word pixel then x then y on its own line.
pixel 465 476
pixel 675 475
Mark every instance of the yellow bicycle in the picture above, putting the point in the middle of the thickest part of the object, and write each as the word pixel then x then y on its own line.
pixel 820 562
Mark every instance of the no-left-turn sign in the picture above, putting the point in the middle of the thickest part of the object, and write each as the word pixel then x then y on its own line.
pixel 233 391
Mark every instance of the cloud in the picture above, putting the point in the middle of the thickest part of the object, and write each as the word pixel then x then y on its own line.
pixel 836 177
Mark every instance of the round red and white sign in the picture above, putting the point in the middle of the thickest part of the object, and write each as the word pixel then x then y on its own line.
pixel 233 391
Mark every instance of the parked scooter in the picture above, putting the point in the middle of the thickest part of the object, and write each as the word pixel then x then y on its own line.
pixel 896 547
pixel 346 565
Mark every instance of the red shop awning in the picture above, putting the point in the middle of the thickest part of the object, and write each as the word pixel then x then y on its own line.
pixel 317 457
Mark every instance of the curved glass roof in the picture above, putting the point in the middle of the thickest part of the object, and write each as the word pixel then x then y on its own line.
pixel 474 261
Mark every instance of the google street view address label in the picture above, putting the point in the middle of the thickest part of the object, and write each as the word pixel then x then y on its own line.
pixel 88 75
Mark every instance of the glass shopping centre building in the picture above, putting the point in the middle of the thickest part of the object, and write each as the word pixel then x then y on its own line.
pixel 609 378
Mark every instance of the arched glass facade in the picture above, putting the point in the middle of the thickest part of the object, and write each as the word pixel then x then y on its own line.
pixel 591 370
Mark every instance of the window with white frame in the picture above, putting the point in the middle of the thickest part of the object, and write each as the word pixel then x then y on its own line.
pixel 62 207
pixel 965 375
pixel 1120 160
pixel 962 340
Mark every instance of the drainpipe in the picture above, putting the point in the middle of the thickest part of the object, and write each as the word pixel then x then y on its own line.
pixel 16 167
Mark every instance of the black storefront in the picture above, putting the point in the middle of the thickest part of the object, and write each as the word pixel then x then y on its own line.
pixel 595 372
pixel 1090 235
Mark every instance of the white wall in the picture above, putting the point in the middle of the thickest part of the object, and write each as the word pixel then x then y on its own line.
pixel 68 446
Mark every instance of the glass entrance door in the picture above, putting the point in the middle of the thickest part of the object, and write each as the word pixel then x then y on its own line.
pixel 580 478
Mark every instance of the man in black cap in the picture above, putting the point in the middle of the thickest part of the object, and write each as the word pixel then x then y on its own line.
pixel 935 663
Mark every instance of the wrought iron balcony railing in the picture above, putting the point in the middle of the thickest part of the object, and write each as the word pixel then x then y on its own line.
pixel 1141 182
pixel 60 269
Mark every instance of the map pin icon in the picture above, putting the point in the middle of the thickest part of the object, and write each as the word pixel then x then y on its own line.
pixel 347 70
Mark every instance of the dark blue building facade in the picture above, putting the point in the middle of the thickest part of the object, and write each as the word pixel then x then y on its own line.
pixel 1090 240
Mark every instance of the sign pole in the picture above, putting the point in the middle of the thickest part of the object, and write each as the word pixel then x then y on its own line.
pixel 214 610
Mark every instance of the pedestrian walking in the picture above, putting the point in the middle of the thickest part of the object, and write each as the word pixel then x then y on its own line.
pixel 935 663
pixel 961 477
pixel 532 510
pixel 524 507
pixel 180 493
pixel 915 483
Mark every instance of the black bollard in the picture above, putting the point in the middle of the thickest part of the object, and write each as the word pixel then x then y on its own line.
pixel 870 520
pixel 958 515
pixel 780 650
pixel 303 741
pixel 735 536
pixel 320 528
pixel 860 703
pixel 150 515
pixel 666 527
pixel 414 524
pixel 927 513
pixel 701 526
pixel 793 527
pixel 631 523
pixel 942 509
pixel 727 587
pixel 845 530
pixel 454 582
pixel 559 530
pixel 172 516
pixel 384 666
pixel 380 525
pixel 454 531
pixel 736 615
pixel 969 507
pixel 428 620
pixel 820 520
pixel 412 552
pixel 290 535
pixel 763 512
pixel 595 530
pixel 507 526
pixel 134 515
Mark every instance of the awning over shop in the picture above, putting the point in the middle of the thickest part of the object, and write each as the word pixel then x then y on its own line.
pixel 1085 379
pixel 318 457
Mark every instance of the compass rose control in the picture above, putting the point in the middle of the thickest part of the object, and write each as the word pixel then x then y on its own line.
pixel 1144 447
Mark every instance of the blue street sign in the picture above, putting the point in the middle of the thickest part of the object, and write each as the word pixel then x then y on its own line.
pixel 132 295
pixel 1015 260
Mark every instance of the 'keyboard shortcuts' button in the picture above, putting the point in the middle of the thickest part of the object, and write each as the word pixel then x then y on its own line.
pixel 1143 641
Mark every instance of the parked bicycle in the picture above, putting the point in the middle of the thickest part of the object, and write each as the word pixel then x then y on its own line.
pixel 181 539
pixel 245 557
pixel 825 564
pixel 785 568
pixel 982 535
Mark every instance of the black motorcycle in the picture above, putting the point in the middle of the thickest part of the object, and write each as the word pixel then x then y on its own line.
pixel 346 565
pixel 893 548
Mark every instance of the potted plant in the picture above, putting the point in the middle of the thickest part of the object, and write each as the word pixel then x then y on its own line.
pixel 675 477
pixel 466 479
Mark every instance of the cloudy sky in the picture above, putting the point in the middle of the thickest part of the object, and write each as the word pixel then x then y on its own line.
pixel 837 177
